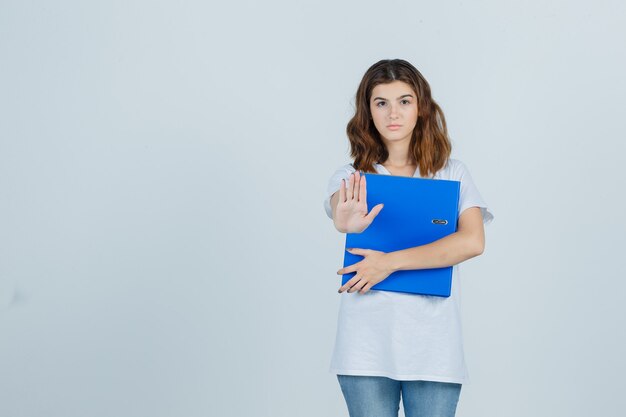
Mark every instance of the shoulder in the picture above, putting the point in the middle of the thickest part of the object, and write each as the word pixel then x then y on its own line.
pixel 455 164
pixel 348 167
pixel 456 168
pixel 344 170
pixel 452 170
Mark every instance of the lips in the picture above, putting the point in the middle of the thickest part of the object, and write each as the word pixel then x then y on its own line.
pixel 393 127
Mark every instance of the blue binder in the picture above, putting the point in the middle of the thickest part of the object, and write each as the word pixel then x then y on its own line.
pixel 417 211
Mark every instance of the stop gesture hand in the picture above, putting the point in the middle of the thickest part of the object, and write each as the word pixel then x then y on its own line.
pixel 351 214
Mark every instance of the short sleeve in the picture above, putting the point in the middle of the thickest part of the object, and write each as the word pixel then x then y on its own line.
pixel 334 183
pixel 470 196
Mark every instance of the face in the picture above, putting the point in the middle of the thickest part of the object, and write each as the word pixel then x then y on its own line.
pixel 394 110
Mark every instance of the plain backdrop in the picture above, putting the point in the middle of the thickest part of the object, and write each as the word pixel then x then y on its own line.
pixel 164 248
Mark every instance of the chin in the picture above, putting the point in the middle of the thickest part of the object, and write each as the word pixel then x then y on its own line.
pixel 397 136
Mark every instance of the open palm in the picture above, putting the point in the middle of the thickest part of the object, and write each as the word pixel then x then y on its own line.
pixel 351 213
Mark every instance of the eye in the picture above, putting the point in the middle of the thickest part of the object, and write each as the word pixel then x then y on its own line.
pixel 380 102
pixel 407 101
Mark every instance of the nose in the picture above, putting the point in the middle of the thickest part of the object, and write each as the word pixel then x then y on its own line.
pixel 393 112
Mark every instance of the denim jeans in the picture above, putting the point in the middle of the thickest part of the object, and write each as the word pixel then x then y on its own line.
pixel 378 396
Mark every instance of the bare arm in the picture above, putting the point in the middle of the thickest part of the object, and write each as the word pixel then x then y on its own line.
pixel 467 242
pixel 333 204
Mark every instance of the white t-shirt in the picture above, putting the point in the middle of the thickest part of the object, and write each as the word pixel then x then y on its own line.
pixel 399 335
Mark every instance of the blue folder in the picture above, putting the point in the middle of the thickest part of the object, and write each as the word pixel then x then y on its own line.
pixel 417 211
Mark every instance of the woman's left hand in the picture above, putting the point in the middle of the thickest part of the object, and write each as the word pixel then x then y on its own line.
pixel 369 271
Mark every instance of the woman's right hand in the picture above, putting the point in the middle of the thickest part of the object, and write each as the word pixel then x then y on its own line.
pixel 351 213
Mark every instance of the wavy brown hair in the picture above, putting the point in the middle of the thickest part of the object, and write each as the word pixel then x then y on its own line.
pixel 430 146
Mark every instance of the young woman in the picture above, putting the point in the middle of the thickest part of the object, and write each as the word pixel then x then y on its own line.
pixel 390 344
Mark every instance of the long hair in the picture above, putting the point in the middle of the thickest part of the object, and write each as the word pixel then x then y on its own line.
pixel 430 146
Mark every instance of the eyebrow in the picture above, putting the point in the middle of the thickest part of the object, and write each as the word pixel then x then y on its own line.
pixel 406 95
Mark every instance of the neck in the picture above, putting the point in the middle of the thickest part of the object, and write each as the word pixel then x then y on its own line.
pixel 398 154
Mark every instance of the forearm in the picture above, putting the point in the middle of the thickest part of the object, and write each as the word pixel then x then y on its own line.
pixel 447 251
pixel 339 227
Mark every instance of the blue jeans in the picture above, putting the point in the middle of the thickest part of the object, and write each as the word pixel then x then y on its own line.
pixel 379 396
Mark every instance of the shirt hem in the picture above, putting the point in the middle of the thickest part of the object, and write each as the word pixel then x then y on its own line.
pixel 398 377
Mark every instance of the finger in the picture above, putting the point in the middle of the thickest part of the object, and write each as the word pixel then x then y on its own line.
pixel 350 188
pixel 347 270
pixel 350 283
pixel 374 212
pixel 366 288
pixel 356 287
pixel 362 191
pixel 357 187
pixel 357 251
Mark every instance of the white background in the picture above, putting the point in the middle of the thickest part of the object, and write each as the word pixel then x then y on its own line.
pixel 164 248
